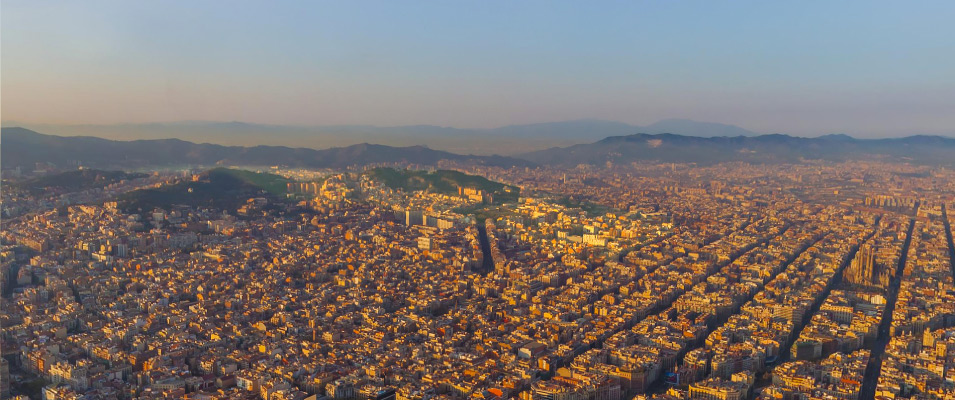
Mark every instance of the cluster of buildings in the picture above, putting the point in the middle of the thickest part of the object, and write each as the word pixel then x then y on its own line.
pixel 838 376
pixel 849 318
pixel 669 281
pixel 920 356
pixel 759 334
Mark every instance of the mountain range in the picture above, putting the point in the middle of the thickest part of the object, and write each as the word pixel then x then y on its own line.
pixel 23 147
pixel 507 140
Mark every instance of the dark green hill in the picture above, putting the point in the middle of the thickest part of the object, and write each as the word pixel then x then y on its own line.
pixel 444 182
pixel 75 181
pixel 219 188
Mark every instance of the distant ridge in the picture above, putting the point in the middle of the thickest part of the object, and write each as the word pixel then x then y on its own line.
pixel 773 148
pixel 507 140
pixel 23 147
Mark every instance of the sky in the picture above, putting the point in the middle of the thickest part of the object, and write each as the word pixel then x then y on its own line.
pixel 866 68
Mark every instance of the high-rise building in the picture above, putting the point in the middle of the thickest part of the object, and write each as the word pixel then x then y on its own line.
pixel 414 218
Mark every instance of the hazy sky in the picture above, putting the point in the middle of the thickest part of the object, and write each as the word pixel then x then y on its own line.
pixel 868 68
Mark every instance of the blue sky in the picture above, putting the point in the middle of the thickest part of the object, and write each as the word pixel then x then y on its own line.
pixel 868 68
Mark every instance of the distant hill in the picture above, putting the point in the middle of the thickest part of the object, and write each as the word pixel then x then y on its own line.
pixel 758 149
pixel 23 147
pixel 220 188
pixel 443 181
pixel 74 181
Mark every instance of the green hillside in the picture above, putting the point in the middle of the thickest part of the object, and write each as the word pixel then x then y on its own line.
pixel 75 181
pixel 444 182
pixel 220 188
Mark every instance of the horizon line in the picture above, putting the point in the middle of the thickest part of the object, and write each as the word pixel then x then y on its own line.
pixel 944 136
pixel 14 123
